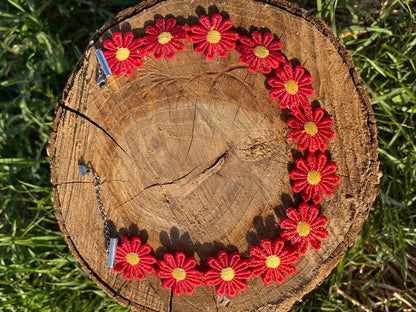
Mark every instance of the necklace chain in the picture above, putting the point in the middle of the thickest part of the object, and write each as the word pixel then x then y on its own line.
pixel 102 212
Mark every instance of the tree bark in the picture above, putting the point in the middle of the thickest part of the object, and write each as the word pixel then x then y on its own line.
pixel 195 156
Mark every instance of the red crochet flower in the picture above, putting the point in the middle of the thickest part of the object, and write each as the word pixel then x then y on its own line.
pixel 304 228
pixel 213 36
pixel 311 128
pixel 122 53
pixel 314 177
pixel 260 51
pixel 179 273
pixel 291 87
pixel 133 258
pixel 272 260
pixel 227 275
pixel 163 39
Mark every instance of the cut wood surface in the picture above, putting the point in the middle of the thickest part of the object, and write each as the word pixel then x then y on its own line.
pixel 195 156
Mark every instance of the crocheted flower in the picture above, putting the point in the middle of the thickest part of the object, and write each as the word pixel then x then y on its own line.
pixel 163 39
pixel 304 228
pixel 178 273
pixel 260 51
pixel 122 53
pixel 314 176
pixel 272 261
pixel 291 88
pixel 311 128
pixel 227 274
pixel 213 36
pixel 133 258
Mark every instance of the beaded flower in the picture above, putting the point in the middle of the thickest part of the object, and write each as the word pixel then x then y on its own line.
pixel 272 261
pixel 314 176
pixel 304 228
pixel 133 258
pixel 311 128
pixel 178 273
pixel 121 54
pixel 163 39
pixel 291 87
pixel 260 51
pixel 228 273
pixel 213 36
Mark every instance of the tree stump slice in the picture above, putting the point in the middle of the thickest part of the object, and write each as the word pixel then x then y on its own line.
pixel 195 156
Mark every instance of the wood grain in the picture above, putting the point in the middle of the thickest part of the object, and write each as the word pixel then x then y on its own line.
pixel 194 155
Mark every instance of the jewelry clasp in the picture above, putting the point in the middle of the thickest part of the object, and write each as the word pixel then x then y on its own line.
pixel 103 70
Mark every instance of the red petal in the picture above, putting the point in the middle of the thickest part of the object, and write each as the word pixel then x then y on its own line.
pixel 138 274
pixel 196 29
pixel 265 66
pixel 216 21
pixel 299 71
pixel 300 186
pixel 225 25
pixel 267 40
pixel 307 192
pixel 330 167
pixel 210 52
pixel 268 276
pixel 326 188
pixel 257 37
pixel 278 276
pixel 180 259
pixel 128 69
pixel 201 47
pixel 303 142
pixel 320 233
pixel 128 38
pixel 109 44
pixel 120 266
pixel 177 289
pixel 128 272
pixel 168 283
pixel 221 288
pixel 247 42
pixel 118 39
pixel 254 65
pixel 316 193
pixel 221 50
pixel 170 24
pixel 205 22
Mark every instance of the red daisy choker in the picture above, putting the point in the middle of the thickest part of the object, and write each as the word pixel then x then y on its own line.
pixel 312 177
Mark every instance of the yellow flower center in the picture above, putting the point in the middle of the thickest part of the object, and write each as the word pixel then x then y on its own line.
pixel 313 177
pixel 213 36
pixel 227 274
pixel 178 274
pixel 303 228
pixel 164 37
pixel 132 258
pixel 310 128
pixel 272 261
pixel 122 54
pixel 291 86
pixel 261 51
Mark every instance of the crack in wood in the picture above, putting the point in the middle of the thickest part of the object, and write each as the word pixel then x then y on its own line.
pixel 95 124
pixel 171 300
pixel 193 123
pixel 187 188
pixel 158 184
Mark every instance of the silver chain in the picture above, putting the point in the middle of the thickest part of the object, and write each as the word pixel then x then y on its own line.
pixel 87 171
pixel 102 212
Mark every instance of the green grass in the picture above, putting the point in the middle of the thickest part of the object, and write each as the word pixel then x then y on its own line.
pixel 40 44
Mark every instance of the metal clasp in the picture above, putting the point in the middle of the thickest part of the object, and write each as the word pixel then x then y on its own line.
pixel 112 252
pixel 103 70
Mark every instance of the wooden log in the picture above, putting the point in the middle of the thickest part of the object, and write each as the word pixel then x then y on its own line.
pixel 195 156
